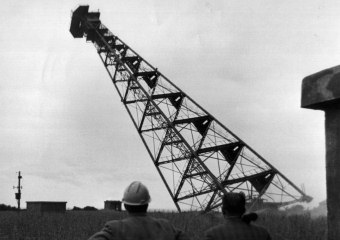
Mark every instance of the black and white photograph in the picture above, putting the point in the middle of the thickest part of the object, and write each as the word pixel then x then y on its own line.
pixel 170 120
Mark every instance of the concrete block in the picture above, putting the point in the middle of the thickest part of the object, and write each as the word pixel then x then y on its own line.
pixel 321 90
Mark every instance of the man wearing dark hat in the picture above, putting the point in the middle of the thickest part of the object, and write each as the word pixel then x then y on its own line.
pixel 236 225
pixel 138 226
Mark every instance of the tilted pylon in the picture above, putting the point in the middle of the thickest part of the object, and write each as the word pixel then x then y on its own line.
pixel 197 157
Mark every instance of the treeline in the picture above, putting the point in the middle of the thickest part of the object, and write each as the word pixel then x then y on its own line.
pixel 87 208
pixel 4 207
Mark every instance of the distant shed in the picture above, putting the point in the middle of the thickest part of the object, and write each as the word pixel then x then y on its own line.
pixel 44 206
pixel 113 205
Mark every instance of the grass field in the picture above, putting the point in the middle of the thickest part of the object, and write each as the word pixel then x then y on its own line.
pixel 74 225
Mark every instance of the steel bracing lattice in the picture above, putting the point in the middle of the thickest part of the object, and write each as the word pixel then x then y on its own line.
pixel 197 157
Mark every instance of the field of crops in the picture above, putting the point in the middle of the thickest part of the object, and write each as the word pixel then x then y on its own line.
pixel 74 225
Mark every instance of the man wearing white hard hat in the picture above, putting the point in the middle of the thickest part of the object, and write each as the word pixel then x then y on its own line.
pixel 138 225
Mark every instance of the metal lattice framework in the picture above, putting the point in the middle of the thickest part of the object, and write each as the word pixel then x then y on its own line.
pixel 196 156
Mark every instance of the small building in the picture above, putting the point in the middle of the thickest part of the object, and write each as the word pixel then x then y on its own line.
pixel 113 205
pixel 46 207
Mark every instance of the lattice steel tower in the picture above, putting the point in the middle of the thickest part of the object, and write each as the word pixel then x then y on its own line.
pixel 197 157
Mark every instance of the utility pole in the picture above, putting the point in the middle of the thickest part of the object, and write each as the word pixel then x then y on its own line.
pixel 321 91
pixel 19 187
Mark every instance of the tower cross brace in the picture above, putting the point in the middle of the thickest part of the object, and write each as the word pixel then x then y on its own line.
pixel 196 156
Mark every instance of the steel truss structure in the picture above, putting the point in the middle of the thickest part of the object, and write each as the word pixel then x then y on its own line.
pixel 197 157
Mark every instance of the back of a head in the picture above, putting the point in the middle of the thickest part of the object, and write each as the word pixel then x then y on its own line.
pixel 136 197
pixel 234 203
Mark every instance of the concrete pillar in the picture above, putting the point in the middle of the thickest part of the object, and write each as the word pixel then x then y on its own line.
pixel 321 91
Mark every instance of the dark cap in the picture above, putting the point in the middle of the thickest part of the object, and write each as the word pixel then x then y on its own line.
pixel 234 203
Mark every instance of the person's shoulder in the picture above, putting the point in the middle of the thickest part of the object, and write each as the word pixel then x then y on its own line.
pixel 218 227
pixel 215 232
pixel 259 229
pixel 165 223
pixel 113 223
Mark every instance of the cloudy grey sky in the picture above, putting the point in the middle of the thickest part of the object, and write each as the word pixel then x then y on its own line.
pixel 62 123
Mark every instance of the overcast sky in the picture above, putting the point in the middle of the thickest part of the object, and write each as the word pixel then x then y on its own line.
pixel 62 123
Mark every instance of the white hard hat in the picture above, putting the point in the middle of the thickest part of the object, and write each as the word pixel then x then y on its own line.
pixel 136 194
